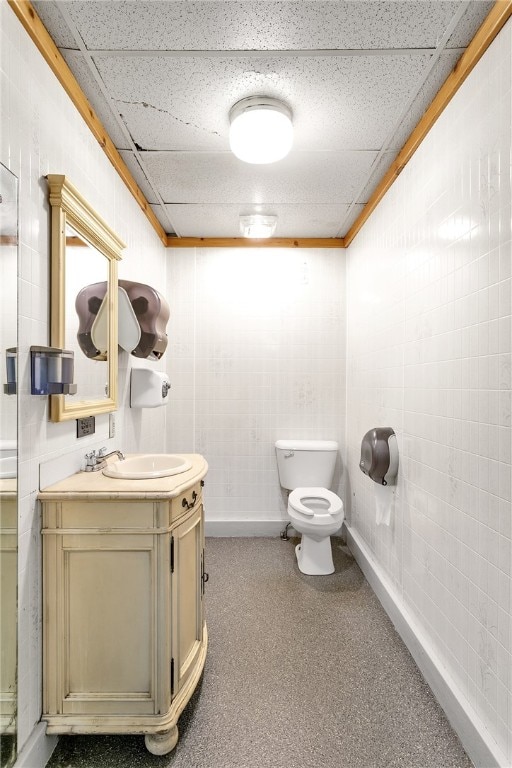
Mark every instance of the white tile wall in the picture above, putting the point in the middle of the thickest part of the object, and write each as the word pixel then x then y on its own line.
pixel 42 133
pixel 257 353
pixel 429 353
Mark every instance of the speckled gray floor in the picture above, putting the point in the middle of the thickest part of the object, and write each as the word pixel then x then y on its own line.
pixel 302 672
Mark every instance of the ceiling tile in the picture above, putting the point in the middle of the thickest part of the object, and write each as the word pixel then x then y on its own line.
pixel 302 24
pixel 350 102
pixel 224 220
pixel 424 98
pixel 472 19
pixel 99 103
pixel 139 175
pixel 302 177
pixel 377 171
pixel 350 218
pixel 51 17
pixel 163 218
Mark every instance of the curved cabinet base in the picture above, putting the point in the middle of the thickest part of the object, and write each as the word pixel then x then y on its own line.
pixel 161 743
pixel 161 733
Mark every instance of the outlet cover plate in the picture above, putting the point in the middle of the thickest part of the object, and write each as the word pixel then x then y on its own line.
pixel 86 426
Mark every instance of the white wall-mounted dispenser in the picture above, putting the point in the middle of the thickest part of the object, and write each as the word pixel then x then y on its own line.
pixel 379 455
pixel 149 389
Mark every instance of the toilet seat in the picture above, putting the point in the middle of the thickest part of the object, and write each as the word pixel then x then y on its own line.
pixel 324 494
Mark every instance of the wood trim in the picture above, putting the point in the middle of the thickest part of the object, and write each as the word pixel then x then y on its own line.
pixel 243 242
pixel 39 35
pixel 82 217
pixel 73 241
pixel 69 207
pixel 8 240
pixel 495 21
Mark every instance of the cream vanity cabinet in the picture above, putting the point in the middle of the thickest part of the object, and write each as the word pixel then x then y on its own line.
pixel 123 583
pixel 8 603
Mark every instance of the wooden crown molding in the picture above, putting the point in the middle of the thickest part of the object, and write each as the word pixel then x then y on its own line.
pixel 244 242
pixel 495 21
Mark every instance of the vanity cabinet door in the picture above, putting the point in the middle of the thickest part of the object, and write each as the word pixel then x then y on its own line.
pixel 100 639
pixel 187 596
pixel 8 611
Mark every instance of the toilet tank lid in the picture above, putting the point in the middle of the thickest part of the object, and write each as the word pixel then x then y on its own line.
pixel 307 445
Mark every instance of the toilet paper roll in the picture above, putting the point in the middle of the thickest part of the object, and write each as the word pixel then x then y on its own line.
pixel 384 503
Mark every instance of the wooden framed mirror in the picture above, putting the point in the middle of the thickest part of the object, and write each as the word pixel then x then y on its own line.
pixel 84 253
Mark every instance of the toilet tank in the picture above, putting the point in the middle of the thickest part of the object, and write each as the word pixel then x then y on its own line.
pixel 306 463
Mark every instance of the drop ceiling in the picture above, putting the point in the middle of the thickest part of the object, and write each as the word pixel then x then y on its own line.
pixel 162 77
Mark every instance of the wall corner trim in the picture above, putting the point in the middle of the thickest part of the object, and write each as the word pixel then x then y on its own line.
pixel 475 738
pixel 37 750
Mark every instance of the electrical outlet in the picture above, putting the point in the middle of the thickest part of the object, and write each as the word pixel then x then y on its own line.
pixel 85 426
pixel 111 425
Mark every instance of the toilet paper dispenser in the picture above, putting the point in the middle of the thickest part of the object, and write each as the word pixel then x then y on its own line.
pixel 379 455
pixel 143 314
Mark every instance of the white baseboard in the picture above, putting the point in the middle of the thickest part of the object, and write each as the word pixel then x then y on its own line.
pixel 234 528
pixel 37 750
pixel 475 738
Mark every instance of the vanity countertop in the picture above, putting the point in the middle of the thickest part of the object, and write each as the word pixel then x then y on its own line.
pixel 8 487
pixel 98 486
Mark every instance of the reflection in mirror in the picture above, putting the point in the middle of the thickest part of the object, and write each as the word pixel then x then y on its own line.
pixel 85 265
pixel 84 251
pixel 8 463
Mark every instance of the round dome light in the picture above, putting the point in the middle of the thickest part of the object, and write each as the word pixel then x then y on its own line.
pixel 261 130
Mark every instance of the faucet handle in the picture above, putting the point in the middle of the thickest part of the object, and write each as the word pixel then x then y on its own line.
pixel 102 452
pixel 91 458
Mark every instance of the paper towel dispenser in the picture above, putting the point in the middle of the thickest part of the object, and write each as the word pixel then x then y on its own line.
pixel 379 455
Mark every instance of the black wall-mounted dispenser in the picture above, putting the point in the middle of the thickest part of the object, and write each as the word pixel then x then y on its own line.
pixel 11 364
pixel 379 455
pixel 51 371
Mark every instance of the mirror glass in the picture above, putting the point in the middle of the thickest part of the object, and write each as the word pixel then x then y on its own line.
pixel 83 317
pixel 8 462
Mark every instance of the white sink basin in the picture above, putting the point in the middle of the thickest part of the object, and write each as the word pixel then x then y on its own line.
pixel 147 465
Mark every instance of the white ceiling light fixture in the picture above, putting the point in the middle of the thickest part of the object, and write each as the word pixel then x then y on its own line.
pixel 258 225
pixel 261 129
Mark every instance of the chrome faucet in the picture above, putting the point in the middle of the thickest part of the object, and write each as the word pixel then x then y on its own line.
pixel 96 460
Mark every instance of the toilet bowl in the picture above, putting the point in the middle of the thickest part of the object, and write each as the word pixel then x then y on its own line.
pixel 306 469
pixel 316 513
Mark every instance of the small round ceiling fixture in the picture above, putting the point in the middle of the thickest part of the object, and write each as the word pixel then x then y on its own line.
pixel 261 129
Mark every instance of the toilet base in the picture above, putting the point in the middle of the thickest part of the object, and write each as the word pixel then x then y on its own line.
pixel 314 557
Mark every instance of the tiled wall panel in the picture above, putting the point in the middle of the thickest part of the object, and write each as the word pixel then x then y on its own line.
pixel 429 353
pixel 41 132
pixel 257 354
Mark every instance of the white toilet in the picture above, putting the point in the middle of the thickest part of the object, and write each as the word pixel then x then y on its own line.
pixel 306 468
